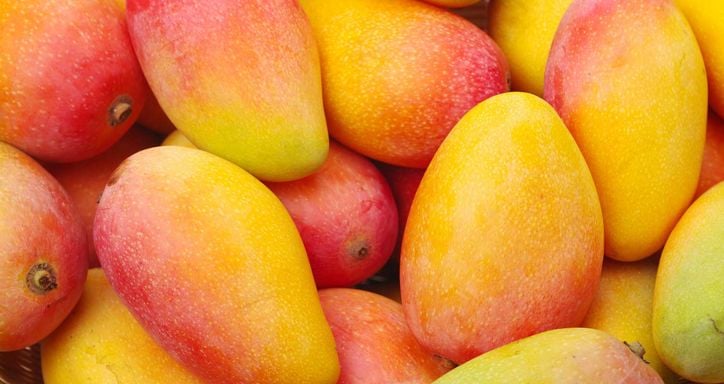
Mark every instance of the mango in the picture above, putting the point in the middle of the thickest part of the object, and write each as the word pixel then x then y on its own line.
pixel 84 180
pixel 346 216
pixel 177 138
pixel 560 356
pixel 452 3
pixel 70 84
pixel 622 308
pixel 712 165
pixel 100 342
pixel 43 251
pixel 374 343
pixel 505 236
pixel 688 310
pixel 403 183
pixel 398 74
pixel 154 118
pixel 211 265
pixel 705 18
pixel 628 79
pixel 524 30
pixel 252 94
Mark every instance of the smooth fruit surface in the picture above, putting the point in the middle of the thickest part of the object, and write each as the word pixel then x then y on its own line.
pixel 688 312
pixel 210 263
pixel 560 356
pixel 252 94
pixel 398 74
pixel 101 343
pixel 43 251
pixel 524 30
pixel 622 308
pixel 628 80
pixel 373 341
pixel 70 84
pixel 495 253
pixel 346 216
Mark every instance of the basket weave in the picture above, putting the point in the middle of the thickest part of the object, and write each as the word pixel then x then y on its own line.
pixel 23 366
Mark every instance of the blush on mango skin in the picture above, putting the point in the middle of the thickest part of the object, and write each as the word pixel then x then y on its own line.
pixel 84 180
pixel 628 79
pixel 43 251
pixel 398 74
pixel 71 85
pixel 346 215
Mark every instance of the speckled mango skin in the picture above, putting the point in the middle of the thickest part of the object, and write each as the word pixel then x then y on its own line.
pixel 211 265
pixel 705 18
pixel 101 343
pixel 239 79
pixel 688 311
pixel 84 180
pixel 622 307
pixel 560 356
pixel 712 165
pixel 504 237
pixel 374 343
pixel 398 74
pixel 62 65
pixel 628 79
pixel 38 224
pixel 524 30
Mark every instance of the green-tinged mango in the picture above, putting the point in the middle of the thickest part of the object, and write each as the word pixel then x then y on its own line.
pixel 560 356
pixel 688 312
pixel 241 79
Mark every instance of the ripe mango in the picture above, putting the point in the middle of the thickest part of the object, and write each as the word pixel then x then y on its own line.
pixel 688 311
pixel 505 236
pixel 398 74
pixel 346 216
pixel 177 138
pixel 251 94
pixel 211 265
pixel 374 343
pixel 712 165
pixel 705 18
pixel 84 180
pixel 524 30
pixel 70 84
pixel 560 356
pixel 622 308
pixel 101 343
pixel 628 79
pixel 43 251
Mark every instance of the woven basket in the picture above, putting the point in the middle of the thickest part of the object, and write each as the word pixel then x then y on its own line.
pixel 23 366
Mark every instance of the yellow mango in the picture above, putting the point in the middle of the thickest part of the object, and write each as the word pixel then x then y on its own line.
pixel 101 343
pixel 504 238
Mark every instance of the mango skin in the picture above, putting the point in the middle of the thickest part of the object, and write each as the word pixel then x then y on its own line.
pixel 560 356
pixel 688 311
pixel 101 343
pixel 346 215
pixel 178 139
pixel 373 341
pixel 524 30
pixel 398 74
pixel 628 79
pixel 712 165
pixel 62 66
pixel 705 18
pixel 252 94
pixel 496 253
pixel 84 180
pixel 38 225
pixel 175 225
pixel 622 307
pixel 452 3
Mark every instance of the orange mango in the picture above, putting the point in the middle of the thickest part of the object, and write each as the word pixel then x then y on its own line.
pixel 505 237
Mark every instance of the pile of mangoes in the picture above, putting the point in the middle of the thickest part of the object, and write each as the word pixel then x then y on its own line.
pixel 363 191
